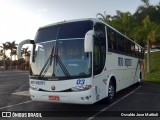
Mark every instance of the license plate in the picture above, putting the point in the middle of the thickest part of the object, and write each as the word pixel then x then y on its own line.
pixel 56 98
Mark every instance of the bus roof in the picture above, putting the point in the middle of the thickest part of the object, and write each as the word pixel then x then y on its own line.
pixel 68 21
pixel 95 20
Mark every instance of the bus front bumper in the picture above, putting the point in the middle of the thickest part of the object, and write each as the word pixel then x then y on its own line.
pixel 82 97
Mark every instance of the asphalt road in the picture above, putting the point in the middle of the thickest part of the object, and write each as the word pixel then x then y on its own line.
pixel 14 97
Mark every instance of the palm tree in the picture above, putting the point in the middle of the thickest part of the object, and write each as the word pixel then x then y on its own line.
pixel 3 52
pixel 122 22
pixel 25 52
pixel 147 10
pixel 157 14
pixel 4 48
pixel 119 14
pixel 157 35
pixel 14 53
pixel 12 47
pixel 150 36
pixel 158 7
pixel 105 18
pixel 146 34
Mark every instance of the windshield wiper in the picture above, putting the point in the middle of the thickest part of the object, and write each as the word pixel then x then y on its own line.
pixel 62 66
pixel 47 64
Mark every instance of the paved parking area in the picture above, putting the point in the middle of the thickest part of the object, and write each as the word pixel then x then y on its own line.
pixel 143 99
pixel 14 96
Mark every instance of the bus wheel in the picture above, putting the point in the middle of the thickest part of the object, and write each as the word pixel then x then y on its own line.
pixel 111 92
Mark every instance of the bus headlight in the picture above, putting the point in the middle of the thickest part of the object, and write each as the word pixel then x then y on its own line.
pixel 81 88
pixel 34 88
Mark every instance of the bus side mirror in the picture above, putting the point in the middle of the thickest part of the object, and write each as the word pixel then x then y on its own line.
pixel 88 41
pixel 28 41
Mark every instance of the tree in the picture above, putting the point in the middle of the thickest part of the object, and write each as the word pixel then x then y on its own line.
pixel 14 53
pixel 4 48
pixel 150 36
pixel 122 22
pixel 146 35
pixel 119 15
pixel 158 7
pixel 3 51
pixel 12 47
pixel 147 10
pixel 25 52
pixel 158 26
pixel 105 18
pixel 137 35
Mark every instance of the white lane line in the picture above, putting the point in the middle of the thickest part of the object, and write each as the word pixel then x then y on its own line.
pixel 147 93
pixel 23 93
pixel 15 104
pixel 104 109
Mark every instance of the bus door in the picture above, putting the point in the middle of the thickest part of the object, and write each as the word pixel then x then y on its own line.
pixel 99 59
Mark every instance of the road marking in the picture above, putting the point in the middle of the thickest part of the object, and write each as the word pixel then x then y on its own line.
pixel 15 104
pixel 147 93
pixel 23 93
pixel 104 109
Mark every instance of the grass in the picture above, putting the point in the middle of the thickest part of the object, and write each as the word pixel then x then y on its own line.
pixel 154 76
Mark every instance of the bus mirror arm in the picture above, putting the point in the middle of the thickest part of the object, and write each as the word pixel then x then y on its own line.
pixel 88 41
pixel 28 41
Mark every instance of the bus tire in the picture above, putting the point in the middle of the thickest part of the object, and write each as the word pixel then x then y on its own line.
pixel 111 92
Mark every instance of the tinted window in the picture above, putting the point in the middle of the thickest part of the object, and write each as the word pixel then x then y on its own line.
pixel 64 31
pixel 132 48
pixel 137 51
pixel 111 36
pixel 120 43
pixel 74 29
pixel 128 47
pixel 46 34
pixel 99 48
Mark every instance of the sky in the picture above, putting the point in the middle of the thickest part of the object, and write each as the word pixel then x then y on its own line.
pixel 20 19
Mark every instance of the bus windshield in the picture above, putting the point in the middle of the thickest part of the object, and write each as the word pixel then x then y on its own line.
pixel 64 54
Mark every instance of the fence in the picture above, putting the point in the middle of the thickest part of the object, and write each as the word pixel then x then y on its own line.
pixel 16 67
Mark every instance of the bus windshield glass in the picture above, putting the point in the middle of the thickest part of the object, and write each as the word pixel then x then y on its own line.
pixel 59 51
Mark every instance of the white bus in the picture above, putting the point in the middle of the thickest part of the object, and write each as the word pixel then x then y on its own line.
pixel 81 62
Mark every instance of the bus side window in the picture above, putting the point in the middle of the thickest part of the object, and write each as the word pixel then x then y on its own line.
pixel 137 51
pixel 111 40
pixel 120 43
pixel 132 49
pixel 126 47
pixel 99 55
